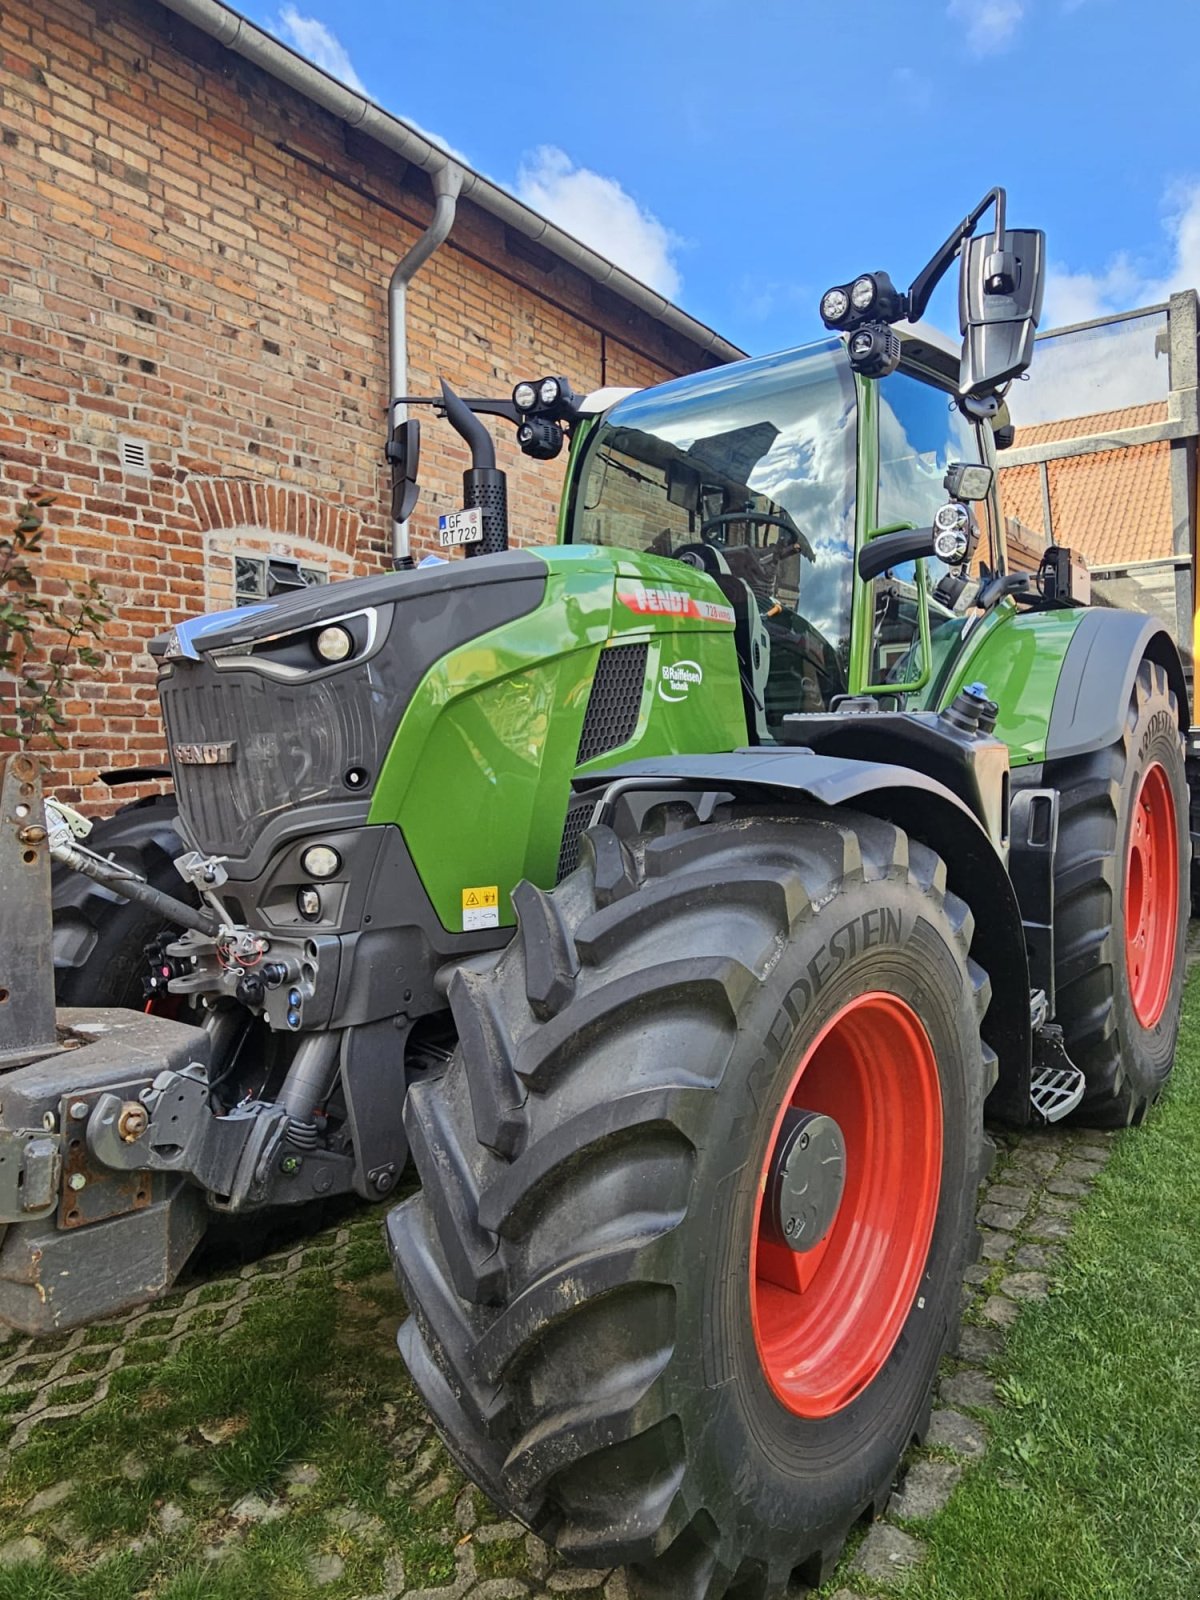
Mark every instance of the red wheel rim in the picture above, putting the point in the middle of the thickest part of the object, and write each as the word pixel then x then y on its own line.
pixel 1151 896
pixel 825 1321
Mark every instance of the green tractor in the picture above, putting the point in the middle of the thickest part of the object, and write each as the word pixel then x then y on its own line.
pixel 681 897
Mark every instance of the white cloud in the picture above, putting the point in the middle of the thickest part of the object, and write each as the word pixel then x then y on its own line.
pixel 990 25
pixel 1125 283
pixel 321 46
pixel 599 212
pixel 324 49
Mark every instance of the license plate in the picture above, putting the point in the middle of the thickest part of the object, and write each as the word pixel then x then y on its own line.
pixel 460 527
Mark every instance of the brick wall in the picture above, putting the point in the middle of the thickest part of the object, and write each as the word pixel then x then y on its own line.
pixel 195 257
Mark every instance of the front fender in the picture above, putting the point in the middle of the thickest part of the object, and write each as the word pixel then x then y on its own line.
pixel 929 813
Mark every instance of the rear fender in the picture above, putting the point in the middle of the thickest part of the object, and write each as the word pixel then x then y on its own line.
pixel 925 809
pixel 1097 677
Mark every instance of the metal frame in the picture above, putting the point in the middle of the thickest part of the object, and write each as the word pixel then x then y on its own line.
pixel 1181 430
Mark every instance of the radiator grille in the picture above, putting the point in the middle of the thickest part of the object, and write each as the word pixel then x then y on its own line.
pixel 294 745
pixel 616 699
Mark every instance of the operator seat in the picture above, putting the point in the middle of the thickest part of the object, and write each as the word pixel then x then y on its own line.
pixel 750 637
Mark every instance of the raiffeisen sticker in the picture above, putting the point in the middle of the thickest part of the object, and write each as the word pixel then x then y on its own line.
pixel 678 678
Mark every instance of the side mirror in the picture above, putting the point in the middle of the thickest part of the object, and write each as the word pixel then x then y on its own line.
pixel 999 304
pixel 404 453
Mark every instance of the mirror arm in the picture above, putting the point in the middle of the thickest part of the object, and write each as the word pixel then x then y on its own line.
pixel 483 407
pixel 890 549
pixel 930 275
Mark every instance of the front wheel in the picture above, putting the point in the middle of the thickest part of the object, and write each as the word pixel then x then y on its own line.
pixel 698 1195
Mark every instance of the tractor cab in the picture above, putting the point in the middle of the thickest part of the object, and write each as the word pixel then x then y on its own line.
pixel 771 476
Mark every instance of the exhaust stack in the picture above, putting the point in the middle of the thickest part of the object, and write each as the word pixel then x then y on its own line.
pixel 484 484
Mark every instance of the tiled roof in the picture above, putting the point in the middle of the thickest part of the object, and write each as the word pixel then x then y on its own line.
pixel 1113 505
pixel 1098 422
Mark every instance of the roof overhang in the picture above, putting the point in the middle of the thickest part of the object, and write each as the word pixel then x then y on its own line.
pixel 236 33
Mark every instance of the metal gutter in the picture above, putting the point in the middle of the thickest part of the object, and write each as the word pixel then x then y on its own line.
pixel 233 31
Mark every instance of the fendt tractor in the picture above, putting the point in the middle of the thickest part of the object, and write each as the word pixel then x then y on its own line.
pixel 680 895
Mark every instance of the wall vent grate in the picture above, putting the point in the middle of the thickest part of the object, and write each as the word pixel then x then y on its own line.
pixel 134 455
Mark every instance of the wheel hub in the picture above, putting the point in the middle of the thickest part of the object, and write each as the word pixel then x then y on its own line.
pixel 853 1162
pixel 805 1180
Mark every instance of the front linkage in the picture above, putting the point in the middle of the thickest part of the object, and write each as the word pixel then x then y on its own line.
pixel 114 1145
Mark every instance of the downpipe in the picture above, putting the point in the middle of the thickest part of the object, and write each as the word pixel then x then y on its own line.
pixel 447 181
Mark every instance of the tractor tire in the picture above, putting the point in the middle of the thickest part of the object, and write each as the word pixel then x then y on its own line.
pixel 605 1324
pixel 1121 886
pixel 100 938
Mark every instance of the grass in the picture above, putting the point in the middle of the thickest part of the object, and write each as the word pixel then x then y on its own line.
pixel 1090 1490
pixel 1091 1487
pixel 309 1379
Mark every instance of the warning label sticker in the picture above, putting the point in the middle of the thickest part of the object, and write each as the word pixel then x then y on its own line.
pixel 481 908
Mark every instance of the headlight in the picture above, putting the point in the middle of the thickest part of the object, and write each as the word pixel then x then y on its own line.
pixel 308 904
pixel 952 533
pixel 862 293
pixel 320 861
pixel 524 397
pixel 333 643
pixel 548 391
pixel 835 303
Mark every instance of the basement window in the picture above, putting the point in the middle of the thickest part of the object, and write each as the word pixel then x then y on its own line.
pixel 257 578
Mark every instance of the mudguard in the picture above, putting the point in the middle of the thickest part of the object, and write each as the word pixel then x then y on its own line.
pixel 1096 680
pixel 928 812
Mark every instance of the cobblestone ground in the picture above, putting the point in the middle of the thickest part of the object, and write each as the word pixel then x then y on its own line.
pixel 1036 1183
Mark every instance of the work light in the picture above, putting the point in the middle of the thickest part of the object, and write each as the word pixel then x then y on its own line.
pixel 524 397
pixel 835 304
pixel 862 293
pixel 320 861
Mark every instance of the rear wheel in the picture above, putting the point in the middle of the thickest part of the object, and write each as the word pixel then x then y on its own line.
pixel 1121 901
pixel 700 1052
pixel 100 938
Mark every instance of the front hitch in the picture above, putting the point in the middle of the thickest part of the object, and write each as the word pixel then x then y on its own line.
pixel 251 1156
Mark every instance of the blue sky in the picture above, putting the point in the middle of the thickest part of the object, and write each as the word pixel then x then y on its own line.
pixel 741 155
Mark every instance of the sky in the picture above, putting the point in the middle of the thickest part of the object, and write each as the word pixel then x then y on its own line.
pixel 742 155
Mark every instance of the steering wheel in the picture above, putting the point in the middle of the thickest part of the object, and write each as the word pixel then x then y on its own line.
pixel 766 518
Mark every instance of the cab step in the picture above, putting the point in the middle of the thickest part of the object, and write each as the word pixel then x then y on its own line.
pixel 1057 1085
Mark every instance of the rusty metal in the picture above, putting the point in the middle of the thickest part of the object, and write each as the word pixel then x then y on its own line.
pixel 131 1123
pixel 26 966
pixel 91 1192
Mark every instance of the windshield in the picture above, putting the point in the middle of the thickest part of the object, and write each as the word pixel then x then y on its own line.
pixel 749 471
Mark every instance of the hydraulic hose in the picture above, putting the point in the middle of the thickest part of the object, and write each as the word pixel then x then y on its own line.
pixel 131 887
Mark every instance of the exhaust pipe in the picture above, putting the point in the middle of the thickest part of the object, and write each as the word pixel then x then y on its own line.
pixel 484 483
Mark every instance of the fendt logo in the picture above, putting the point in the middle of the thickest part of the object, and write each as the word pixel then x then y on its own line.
pixel 678 678
pixel 221 754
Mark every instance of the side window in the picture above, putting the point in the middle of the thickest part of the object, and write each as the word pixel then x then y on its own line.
pixel 921 431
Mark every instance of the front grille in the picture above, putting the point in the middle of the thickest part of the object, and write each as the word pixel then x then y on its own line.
pixel 578 815
pixel 616 699
pixel 293 746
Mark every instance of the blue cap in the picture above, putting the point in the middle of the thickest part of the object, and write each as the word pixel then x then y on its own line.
pixel 979 690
